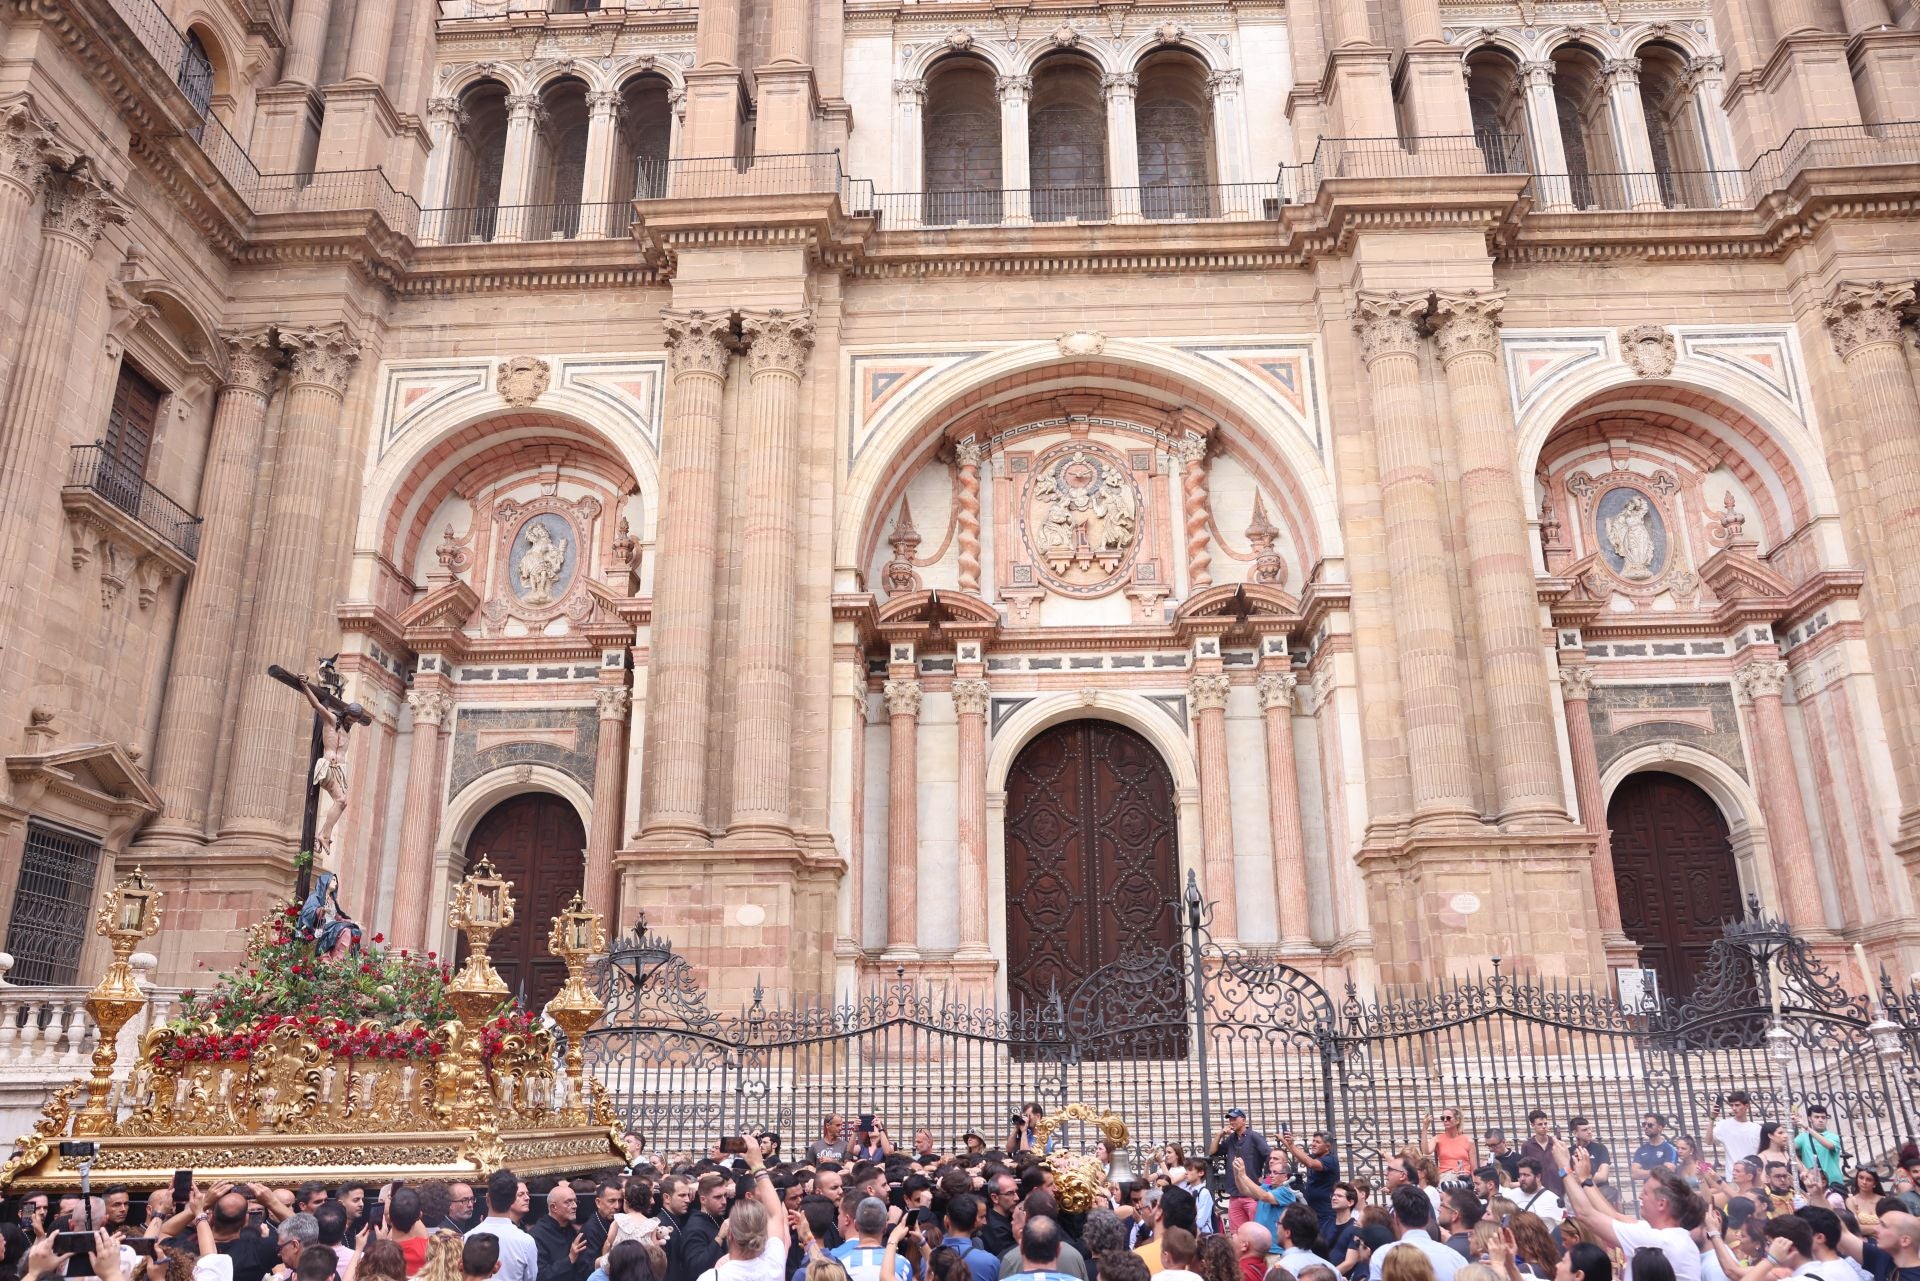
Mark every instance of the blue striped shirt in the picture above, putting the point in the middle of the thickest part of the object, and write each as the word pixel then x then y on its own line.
pixel 862 1262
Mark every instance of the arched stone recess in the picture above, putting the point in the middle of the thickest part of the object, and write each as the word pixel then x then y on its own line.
pixel 1148 719
pixel 1738 803
pixel 466 808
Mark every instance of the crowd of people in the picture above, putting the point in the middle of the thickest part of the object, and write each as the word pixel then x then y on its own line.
pixel 1760 1201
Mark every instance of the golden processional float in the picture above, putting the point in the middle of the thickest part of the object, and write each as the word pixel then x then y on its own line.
pixel 318 1058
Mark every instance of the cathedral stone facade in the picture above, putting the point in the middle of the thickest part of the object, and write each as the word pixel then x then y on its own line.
pixel 889 486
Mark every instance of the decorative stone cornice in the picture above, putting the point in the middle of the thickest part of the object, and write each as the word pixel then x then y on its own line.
pixel 1467 324
pixel 1861 313
pixel 323 355
pixel 697 342
pixel 81 206
pixel 430 706
pixel 1276 689
pixel 253 359
pixel 1207 692
pixel 613 702
pixel 1576 682
pixel 903 697
pixel 1763 679
pixel 970 697
pixel 1388 324
pixel 777 341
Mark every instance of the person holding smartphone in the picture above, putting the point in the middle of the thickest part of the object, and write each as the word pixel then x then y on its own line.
pixel 870 1142
pixel 1322 1168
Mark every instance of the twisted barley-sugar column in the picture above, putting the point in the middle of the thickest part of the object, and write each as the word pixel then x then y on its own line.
pixel 270 747
pixel 778 345
pixel 78 211
pixel 1576 691
pixel 682 630
pixel 1193 501
pixel 204 637
pixel 970 704
pixel 903 817
pixel 1499 566
pixel 967 454
pixel 1424 623
pixel 1788 839
pixel 1283 810
pixel 1207 692
pixel 420 821
pixel 1864 321
pixel 600 889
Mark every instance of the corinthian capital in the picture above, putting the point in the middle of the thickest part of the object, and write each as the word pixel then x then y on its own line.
pixel 697 341
pixel 1467 324
pixel 430 706
pixel 1576 682
pixel 1120 82
pixel 1626 70
pixel 253 359
pixel 970 697
pixel 903 697
pixel 1013 87
pixel 1763 679
pixel 321 354
pixel 81 206
pixel 1276 690
pixel 27 148
pixel 1207 692
pixel 778 340
pixel 1388 324
pixel 612 702
pixel 1860 313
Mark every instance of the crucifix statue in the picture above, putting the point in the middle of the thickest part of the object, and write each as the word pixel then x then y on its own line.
pixel 333 717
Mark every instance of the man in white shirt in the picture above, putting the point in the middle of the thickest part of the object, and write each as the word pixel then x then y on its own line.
pixel 519 1256
pixel 1736 1133
pixel 1531 1194
pixel 1300 1239
pixel 1412 1219
pixel 1672 1210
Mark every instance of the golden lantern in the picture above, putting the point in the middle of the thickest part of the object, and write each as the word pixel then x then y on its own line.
pixel 129 913
pixel 577 937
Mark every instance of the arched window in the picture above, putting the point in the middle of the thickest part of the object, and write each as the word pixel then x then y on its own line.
pixel 1497 100
pixel 1173 124
pixel 1673 128
pixel 1067 141
pixel 560 162
pixel 646 138
pixel 960 143
pixel 1580 101
pixel 196 75
pixel 473 193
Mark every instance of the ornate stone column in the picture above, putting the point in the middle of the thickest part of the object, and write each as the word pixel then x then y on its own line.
pixel 372 40
pixel 1543 137
pixel 1630 128
pixel 1760 682
pixel 909 166
pixel 612 703
pixel 525 118
pixel 1425 628
pixel 1230 140
pixel 778 346
pixel 1283 812
pixel 446 125
pixel 903 819
pixel 270 739
pixel 78 211
pixel 604 108
pixel 1207 694
pixel 679 680
pixel 1706 85
pixel 970 703
pixel 1123 146
pixel 1192 450
pixel 1016 177
pixel 1466 330
pixel 306 41
pixel 204 637
pixel 1576 692
pixel 420 820
pixel 1864 321
pixel 27 152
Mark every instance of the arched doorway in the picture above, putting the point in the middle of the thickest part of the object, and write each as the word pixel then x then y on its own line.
pixel 537 842
pixel 1092 857
pixel 1673 863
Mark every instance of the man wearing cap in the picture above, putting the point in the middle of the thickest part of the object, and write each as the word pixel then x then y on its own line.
pixel 1238 1139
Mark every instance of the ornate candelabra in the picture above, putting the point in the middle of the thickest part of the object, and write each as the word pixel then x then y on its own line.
pixel 577 935
pixel 130 913
pixel 482 906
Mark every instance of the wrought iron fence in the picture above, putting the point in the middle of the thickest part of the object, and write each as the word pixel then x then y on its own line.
pixel 94 467
pixel 1168 1037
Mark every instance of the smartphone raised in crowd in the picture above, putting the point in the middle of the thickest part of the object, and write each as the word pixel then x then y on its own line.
pixel 734 1144
pixel 182 1188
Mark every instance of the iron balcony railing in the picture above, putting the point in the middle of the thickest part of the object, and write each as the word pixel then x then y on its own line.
pixel 786 174
pixel 1208 202
pixel 92 467
pixel 333 190
pixel 486 224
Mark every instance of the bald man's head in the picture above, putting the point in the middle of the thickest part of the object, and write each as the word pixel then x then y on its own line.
pixel 1899 1235
pixel 1252 1241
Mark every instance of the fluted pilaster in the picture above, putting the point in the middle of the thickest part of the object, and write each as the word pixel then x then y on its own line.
pixel 1788 837
pixel 903 817
pixel 1576 692
pixel 1207 695
pixel 420 821
pixel 970 696
pixel 1285 833
pixel 613 704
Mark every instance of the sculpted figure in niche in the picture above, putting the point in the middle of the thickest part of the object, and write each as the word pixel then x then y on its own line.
pixel 540 565
pixel 1630 533
pixel 1055 531
pixel 1114 506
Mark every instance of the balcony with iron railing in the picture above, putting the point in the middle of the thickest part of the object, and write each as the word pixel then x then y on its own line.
pixel 117 500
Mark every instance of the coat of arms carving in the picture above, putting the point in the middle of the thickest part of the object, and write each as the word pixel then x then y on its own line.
pixel 522 380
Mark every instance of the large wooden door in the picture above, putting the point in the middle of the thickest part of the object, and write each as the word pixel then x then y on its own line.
pixel 537 842
pixel 1092 864
pixel 1673 865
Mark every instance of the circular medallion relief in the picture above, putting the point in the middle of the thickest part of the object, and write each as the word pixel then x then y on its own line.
pixel 1080 518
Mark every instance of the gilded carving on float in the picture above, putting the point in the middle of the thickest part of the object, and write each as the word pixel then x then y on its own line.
pixel 390 1068
pixel 1080 519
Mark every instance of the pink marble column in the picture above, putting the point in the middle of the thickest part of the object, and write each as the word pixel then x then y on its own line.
pixel 420 820
pixel 78 211
pixel 1526 758
pixel 1779 786
pixel 613 703
pixel 778 345
pixel 970 704
pixel 967 456
pixel 1576 691
pixel 680 681
pixel 1283 811
pixel 190 723
pixel 1426 628
pixel 1207 693
pixel 903 817
pixel 270 732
